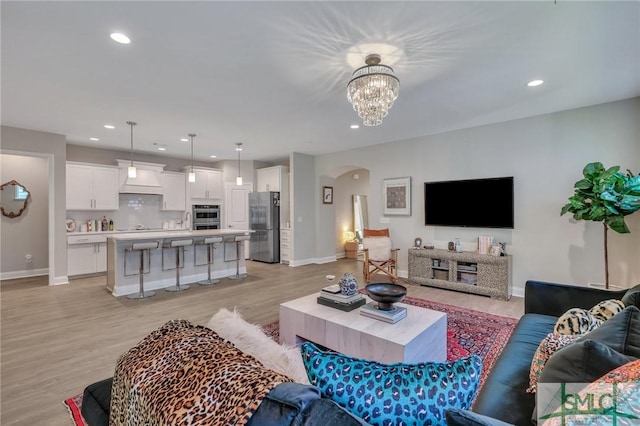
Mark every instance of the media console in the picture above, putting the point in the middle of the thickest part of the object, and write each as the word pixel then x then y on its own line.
pixel 469 272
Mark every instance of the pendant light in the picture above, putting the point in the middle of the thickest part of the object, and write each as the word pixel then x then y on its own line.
pixel 239 178
pixel 131 170
pixel 192 176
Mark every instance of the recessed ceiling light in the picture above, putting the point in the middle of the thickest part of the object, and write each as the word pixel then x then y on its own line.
pixel 94 139
pixel 184 140
pixel 120 38
pixel 213 156
pixel 109 126
pixel 534 83
pixel 355 126
pixel 161 148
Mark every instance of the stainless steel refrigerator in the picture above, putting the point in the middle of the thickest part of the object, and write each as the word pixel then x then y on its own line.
pixel 264 220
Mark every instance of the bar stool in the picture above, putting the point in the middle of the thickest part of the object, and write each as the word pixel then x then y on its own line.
pixel 141 248
pixel 239 240
pixel 179 246
pixel 210 242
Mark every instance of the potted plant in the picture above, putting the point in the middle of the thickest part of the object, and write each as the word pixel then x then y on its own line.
pixel 607 196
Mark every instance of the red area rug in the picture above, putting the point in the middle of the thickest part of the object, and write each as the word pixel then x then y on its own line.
pixel 468 332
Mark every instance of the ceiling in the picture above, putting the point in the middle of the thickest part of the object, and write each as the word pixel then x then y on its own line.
pixel 273 75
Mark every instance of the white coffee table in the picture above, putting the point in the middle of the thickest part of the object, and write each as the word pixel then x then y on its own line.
pixel 420 337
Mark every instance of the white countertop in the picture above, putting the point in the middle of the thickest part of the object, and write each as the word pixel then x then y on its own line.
pixel 123 231
pixel 185 233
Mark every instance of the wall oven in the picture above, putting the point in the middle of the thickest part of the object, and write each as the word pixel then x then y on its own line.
pixel 206 216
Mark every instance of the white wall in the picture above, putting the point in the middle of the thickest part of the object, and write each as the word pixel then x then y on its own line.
pixel 545 154
pixel 28 233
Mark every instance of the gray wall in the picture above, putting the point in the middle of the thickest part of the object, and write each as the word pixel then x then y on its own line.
pixel 31 141
pixel 304 196
pixel 545 154
pixel 28 233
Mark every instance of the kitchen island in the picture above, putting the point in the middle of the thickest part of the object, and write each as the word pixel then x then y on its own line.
pixel 123 265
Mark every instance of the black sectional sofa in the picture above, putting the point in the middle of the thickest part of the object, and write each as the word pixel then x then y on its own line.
pixel 503 395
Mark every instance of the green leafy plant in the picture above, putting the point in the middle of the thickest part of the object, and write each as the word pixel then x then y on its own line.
pixel 607 196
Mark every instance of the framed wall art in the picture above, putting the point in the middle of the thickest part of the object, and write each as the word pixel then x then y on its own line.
pixel 396 196
pixel 327 195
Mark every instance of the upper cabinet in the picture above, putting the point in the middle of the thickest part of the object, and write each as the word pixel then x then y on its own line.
pixel 274 178
pixel 208 184
pixel 92 187
pixel 174 191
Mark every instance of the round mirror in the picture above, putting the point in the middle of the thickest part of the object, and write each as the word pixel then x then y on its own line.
pixel 13 199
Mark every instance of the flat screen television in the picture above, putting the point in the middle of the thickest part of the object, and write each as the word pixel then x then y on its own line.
pixel 476 203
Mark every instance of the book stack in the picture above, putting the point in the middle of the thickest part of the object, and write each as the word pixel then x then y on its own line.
pixel 331 296
pixel 393 316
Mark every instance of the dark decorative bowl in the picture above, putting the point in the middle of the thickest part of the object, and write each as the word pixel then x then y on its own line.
pixel 386 294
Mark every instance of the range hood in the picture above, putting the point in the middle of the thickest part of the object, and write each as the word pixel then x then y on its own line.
pixel 147 180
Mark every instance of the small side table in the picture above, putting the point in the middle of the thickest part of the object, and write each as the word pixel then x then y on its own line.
pixel 351 249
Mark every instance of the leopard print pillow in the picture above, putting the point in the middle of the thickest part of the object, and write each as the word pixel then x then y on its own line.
pixel 606 309
pixel 576 321
pixel 393 394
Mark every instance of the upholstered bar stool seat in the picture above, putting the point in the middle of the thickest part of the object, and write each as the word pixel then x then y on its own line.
pixel 179 246
pixel 239 240
pixel 210 242
pixel 142 248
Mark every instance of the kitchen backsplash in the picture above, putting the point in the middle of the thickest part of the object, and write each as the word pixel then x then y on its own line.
pixel 135 209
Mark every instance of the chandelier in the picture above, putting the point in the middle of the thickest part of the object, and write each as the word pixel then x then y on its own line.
pixel 372 90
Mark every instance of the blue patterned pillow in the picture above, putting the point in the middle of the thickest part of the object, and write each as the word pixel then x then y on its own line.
pixel 393 394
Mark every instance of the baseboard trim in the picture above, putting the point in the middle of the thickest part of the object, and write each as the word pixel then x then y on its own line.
pixel 302 262
pixel 327 259
pixel 61 280
pixel 24 274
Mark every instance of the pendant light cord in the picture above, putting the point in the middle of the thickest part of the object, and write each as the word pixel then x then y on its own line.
pixel 192 135
pixel 239 149
pixel 131 124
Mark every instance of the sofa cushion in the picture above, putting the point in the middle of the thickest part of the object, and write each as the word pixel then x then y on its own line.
pixel 503 394
pixel 458 417
pixel 283 404
pixel 621 333
pixel 632 297
pixel 624 381
pixel 582 362
pixel 549 345
pixel 96 400
pixel 393 393
pixel 324 412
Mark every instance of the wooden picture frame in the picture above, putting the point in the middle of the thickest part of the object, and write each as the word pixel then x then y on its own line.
pixel 327 195
pixel 396 196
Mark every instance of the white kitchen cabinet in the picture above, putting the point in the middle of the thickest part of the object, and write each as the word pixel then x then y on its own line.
pixel 276 178
pixel 285 245
pixel 208 184
pixel 86 254
pixel 174 191
pixel 92 187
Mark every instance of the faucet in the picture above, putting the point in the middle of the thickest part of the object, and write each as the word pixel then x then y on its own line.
pixel 187 220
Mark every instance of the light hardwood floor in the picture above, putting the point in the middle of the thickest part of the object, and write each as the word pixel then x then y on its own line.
pixel 57 340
